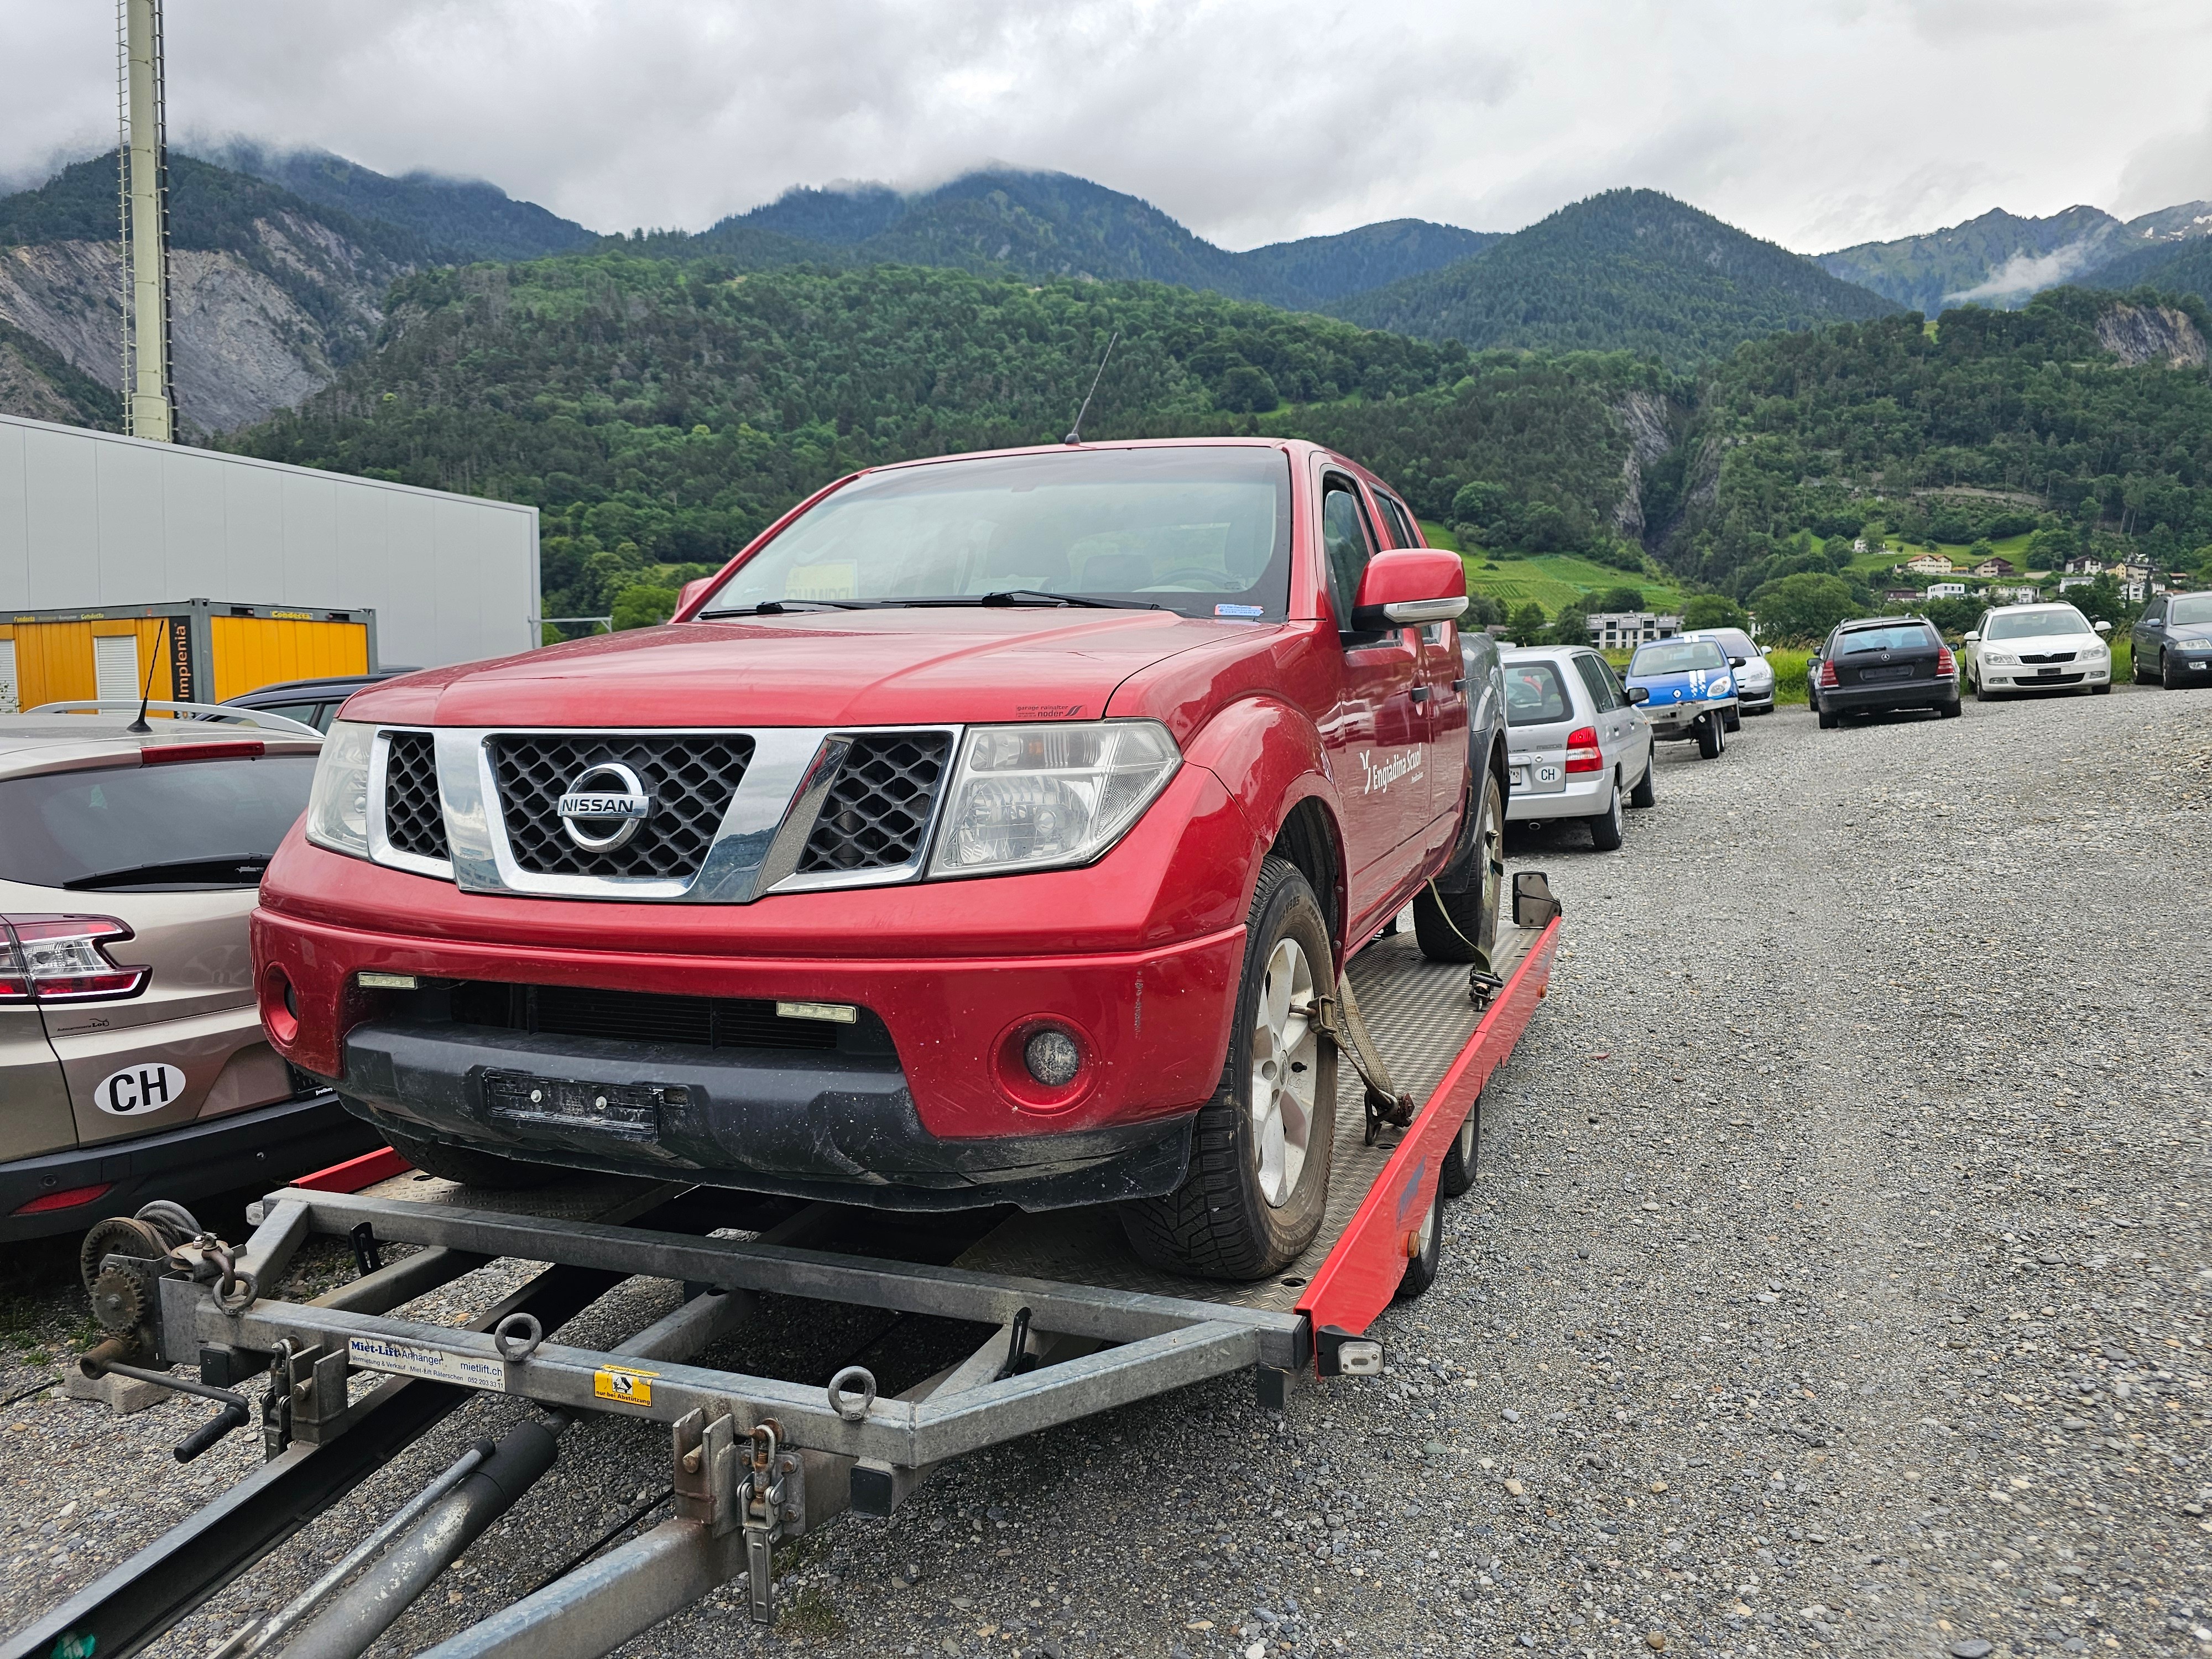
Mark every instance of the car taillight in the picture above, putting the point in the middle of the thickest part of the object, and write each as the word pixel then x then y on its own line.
pixel 1827 675
pixel 1946 664
pixel 65 959
pixel 1582 754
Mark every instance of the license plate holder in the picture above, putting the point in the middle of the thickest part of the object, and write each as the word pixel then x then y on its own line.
pixel 630 1109
pixel 1901 671
pixel 2047 673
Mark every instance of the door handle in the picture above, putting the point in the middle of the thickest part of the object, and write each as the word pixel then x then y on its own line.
pixel 1459 686
pixel 1421 694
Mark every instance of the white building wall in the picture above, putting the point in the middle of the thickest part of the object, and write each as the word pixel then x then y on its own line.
pixel 91 519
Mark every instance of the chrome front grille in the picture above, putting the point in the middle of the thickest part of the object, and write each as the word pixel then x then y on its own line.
pixel 690 779
pixel 414 821
pixel 878 809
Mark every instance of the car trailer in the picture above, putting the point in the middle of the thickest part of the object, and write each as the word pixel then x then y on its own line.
pixel 1079 1325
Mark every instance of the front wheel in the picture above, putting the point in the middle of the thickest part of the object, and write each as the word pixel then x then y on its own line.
pixel 2166 677
pixel 1464 926
pixel 2101 690
pixel 1260 1153
pixel 1711 739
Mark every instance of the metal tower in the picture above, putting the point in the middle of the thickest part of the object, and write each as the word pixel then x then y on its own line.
pixel 142 205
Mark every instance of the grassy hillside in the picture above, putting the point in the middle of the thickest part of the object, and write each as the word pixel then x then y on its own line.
pixel 1629 270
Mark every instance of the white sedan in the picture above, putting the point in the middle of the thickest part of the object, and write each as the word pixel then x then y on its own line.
pixel 2037 647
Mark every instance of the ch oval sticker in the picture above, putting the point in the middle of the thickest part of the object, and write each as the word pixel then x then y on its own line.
pixel 137 1090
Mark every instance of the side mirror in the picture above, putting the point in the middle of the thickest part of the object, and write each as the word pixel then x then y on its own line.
pixel 693 590
pixel 2103 627
pixel 1407 586
pixel 1533 904
pixel 1763 652
pixel 1973 636
pixel 1735 662
pixel 1640 694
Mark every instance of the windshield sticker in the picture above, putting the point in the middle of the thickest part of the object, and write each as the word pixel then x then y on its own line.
pixel 822 581
pixel 138 1089
pixel 1240 609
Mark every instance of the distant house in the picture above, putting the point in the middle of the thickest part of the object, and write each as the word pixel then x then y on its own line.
pixel 1946 590
pixel 1929 564
pixel 2077 580
pixel 2084 566
pixel 1858 545
pixel 2011 596
pixel 2135 589
pixel 1994 567
pixel 1899 595
pixel 1624 630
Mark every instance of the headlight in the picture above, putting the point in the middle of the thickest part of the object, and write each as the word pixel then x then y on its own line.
pixel 337 804
pixel 2001 658
pixel 1038 797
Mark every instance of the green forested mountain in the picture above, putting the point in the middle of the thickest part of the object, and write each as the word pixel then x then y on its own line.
pixel 1630 270
pixel 1991 423
pixel 2000 258
pixel 1054 224
pixel 2168 267
pixel 460 219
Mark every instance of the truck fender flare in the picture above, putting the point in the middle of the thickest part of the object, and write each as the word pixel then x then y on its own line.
pixel 1268 756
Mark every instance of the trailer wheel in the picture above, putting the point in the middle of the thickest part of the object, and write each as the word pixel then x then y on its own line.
pixel 1426 1256
pixel 1456 927
pixel 1459 1162
pixel 466 1165
pixel 1260 1156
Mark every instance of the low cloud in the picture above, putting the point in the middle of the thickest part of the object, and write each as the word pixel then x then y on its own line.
pixel 2027 273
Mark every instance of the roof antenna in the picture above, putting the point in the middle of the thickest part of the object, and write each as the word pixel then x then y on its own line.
pixel 1075 433
pixel 138 728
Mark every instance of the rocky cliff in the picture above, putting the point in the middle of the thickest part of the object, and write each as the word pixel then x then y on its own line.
pixel 2151 334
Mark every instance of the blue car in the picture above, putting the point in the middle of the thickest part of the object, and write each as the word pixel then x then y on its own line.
pixel 1692 692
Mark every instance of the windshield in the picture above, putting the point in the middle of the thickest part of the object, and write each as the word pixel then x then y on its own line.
pixel 2192 608
pixel 2031 624
pixel 1203 531
pixel 1677 657
pixel 184 825
pixel 1908 636
pixel 1534 694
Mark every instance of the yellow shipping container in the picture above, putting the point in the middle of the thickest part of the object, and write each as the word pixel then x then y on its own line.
pixel 195 651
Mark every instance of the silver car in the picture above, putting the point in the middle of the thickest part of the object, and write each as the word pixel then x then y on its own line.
pixel 1754 674
pixel 132 1060
pixel 1577 744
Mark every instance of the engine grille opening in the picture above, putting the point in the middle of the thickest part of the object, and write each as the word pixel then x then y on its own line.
pixel 413 820
pixel 635 1017
pixel 878 809
pixel 691 780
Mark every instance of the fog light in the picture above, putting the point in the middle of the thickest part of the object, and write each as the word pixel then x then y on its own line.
pixel 1053 1058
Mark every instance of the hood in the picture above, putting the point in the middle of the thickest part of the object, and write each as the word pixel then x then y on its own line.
pixel 1693 685
pixel 847 668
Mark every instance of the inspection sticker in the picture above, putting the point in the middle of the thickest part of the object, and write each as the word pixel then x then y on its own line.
pixel 377 1354
pixel 619 1382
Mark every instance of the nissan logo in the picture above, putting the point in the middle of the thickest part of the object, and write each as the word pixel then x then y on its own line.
pixel 604 807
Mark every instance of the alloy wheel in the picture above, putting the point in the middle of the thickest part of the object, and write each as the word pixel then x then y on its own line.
pixel 1285 1050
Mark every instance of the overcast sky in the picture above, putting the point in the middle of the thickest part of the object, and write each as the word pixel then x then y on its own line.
pixel 1816 124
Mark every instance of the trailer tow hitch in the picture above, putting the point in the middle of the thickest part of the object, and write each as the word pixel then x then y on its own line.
pixel 1339 1017
pixel 761 1488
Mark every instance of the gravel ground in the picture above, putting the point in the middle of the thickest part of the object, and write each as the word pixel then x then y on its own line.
pixel 1834 1279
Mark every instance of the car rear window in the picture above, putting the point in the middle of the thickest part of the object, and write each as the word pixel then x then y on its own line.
pixel 186 825
pixel 1534 694
pixel 1677 657
pixel 1912 636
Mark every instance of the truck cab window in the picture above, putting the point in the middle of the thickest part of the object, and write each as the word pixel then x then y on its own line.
pixel 1346 544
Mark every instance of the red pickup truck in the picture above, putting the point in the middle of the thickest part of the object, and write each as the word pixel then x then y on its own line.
pixel 991 829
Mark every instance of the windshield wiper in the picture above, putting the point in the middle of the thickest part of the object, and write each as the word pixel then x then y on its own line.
pixel 778 607
pixel 245 870
pixel 1021 596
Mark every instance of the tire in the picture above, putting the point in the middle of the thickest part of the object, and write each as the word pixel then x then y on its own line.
pixel 1229 1219
pixel 2103 691
pixel 1456 927
pixel 1982 693
pixel 1734 721
pixel 2136 669
pixel 1949 711
pixel 1605 827
pixel 2166 677
pixel 469 1166
pixel 1424 1262
pixel 1646 793
pixel 1458 1173
pixel 1830 721
pixel 1712 738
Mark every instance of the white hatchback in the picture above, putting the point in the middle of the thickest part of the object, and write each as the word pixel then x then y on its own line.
pixel 2036 647
pixel 1575 743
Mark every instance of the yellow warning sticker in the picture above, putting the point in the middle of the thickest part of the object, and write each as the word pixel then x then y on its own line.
pixel 618 1382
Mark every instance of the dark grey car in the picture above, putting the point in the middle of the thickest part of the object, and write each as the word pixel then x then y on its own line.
pixel 2173 641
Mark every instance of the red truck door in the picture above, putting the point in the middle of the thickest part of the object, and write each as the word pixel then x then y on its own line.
pixel 1376 736
pixel 1441 675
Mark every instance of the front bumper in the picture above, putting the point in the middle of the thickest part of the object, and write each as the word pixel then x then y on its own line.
pixel 1896 694
pixel 260 1148
pixel 2029 676
pixel 816 1125
pixel 1671 721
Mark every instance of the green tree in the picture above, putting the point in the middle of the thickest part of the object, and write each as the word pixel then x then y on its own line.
pixel 1482 611
pixel 1526 626
pixel 1979 551
pixel 1246 390
pixel 1804 606
pixel 642 606
pixel 1713 611
pixel 1571 626
pixel 1623 597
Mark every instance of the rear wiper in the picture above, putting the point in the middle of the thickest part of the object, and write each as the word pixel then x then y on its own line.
pixel 778 607
pixel 241 871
